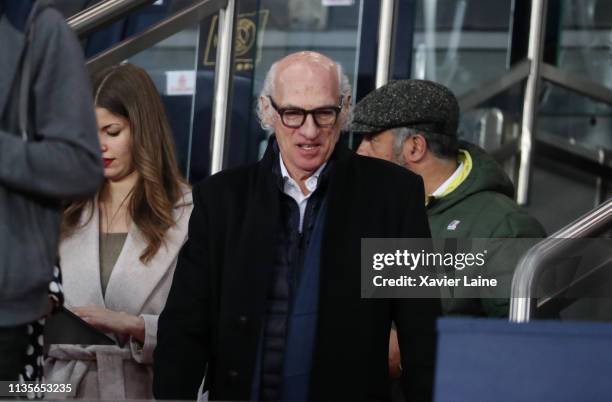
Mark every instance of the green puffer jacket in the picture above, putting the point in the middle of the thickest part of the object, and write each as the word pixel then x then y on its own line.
pixel 483 207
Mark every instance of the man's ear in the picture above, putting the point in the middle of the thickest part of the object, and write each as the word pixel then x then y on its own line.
pixel 414 148
pixel 346 106
pixel 264 103
pixel 347 102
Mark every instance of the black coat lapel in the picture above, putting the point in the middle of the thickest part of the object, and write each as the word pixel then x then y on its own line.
pixel 258 237
pixel 340 215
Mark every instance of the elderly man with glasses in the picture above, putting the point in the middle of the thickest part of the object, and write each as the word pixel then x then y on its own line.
pixel 266 299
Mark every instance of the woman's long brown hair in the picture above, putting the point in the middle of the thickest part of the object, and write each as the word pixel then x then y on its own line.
pixel 128 91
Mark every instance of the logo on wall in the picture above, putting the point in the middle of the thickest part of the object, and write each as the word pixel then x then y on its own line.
pixel 246 53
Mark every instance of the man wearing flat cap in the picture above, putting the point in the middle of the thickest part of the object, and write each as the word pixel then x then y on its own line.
pixel 413 123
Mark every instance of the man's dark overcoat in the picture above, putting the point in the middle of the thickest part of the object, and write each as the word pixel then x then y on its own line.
pixel 217 304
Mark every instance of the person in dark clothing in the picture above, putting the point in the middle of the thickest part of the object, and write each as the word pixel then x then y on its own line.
pixel 413 123
pixel 266 296
pixel 49 152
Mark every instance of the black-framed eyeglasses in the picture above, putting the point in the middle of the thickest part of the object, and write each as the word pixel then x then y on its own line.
pixel 294 117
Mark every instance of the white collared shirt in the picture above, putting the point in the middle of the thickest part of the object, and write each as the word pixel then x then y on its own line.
pixel 442 189
pixel 292 188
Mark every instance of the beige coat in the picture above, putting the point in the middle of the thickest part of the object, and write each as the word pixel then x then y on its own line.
pixel 113 372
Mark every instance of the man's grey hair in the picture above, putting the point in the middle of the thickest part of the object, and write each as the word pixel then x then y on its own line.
pixel 442 146
pixel 268 89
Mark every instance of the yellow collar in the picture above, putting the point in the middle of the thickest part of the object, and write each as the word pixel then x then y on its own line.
pixel 462 172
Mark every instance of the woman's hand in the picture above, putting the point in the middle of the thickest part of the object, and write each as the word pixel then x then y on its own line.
pixel 112 321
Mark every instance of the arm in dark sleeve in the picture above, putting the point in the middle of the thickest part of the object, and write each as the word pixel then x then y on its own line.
pixel 64 159
pixel 183 332
pixel 415 319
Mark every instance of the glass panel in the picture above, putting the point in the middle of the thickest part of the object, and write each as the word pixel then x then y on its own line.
pixel 172 65
pixel 574 118
pixel 586 39
pixel 573 122
pixel 495 123
pixel 133 24
pixel 300 25
pixel 461 43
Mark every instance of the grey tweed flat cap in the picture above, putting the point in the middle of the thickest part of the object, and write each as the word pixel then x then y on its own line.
pixel 419 104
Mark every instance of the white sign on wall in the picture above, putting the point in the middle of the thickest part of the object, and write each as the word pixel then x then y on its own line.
pixel 331 3
pixel 180 82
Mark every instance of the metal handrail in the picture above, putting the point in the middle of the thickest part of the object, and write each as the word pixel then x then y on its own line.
pixel 592 155
pixel 577 84
pixel 102 14
pixel 155 34
pixel 530 268
pixel 471 99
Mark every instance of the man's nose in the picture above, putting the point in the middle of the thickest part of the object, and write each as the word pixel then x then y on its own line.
pixel 364 148
pixel 309 129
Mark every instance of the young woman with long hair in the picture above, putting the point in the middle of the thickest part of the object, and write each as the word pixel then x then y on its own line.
pixel 119 249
